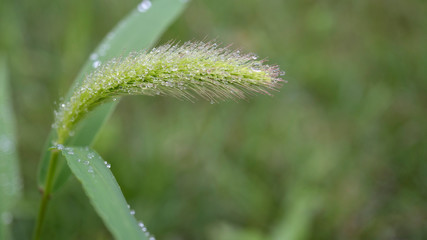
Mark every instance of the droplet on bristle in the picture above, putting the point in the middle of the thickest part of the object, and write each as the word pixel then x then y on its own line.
pixel 96 64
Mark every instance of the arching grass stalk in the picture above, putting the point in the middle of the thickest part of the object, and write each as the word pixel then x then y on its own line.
pixel 182 71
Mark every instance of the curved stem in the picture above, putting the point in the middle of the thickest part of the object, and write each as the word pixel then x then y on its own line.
pixel 46 193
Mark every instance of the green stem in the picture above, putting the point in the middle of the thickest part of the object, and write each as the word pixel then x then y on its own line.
pixel 46 193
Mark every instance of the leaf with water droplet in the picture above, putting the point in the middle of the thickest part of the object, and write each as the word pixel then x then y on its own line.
pixel 134 33
pixel 104 193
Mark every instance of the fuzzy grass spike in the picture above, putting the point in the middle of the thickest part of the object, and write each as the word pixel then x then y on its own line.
pixel 182 71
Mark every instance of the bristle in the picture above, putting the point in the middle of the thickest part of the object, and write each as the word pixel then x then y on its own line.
pixel 182 71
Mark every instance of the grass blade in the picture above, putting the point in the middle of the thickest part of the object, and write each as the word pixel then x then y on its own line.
pixel 104 193
pixel 10 183
pixel 139 30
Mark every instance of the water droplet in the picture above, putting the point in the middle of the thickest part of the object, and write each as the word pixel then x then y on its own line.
pixel 128 206
pixel 60 147
pixel 79 160
pixel 144 6
pixel 144 229
pixel 90 155
pixel 132 212
pixel 114 99
pixel 212 101
pixel 96 64
pixel 140 224
pixel 107 164
pixel 90 169
pixel 151 238
pixel 63 105
pixel 256 69
pixel 86 162
pixel 93 56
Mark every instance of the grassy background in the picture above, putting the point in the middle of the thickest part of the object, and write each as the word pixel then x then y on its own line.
pixel 339 153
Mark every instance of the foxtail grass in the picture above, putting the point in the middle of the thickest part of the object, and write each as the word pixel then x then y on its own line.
pixel 187 71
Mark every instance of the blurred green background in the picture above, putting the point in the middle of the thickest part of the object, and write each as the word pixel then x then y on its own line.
pixel 339 153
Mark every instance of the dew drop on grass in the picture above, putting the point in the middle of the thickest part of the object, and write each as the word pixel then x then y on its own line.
pixel 90 155
pixel 79 160
pixel 90 169
pixel 93 56
pixel 107 164
pixel 86 162
pixel 144 6
pixel 255 69
pixel 140 224
pixel 96 64
pixel 132 212
pixel 69 150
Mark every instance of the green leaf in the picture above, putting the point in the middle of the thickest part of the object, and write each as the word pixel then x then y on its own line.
pixel 10 182
pixel 104 192
pixel 139 30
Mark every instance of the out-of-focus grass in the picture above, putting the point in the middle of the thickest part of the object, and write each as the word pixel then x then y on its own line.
pixel 339 153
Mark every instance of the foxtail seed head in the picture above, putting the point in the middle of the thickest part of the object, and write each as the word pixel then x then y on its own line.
pixel 185 71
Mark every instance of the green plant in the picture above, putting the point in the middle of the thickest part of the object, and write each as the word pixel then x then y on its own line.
pixel 179 71
pixel 182 71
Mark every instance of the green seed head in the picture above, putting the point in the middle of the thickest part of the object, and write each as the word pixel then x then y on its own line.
pixel 182 71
